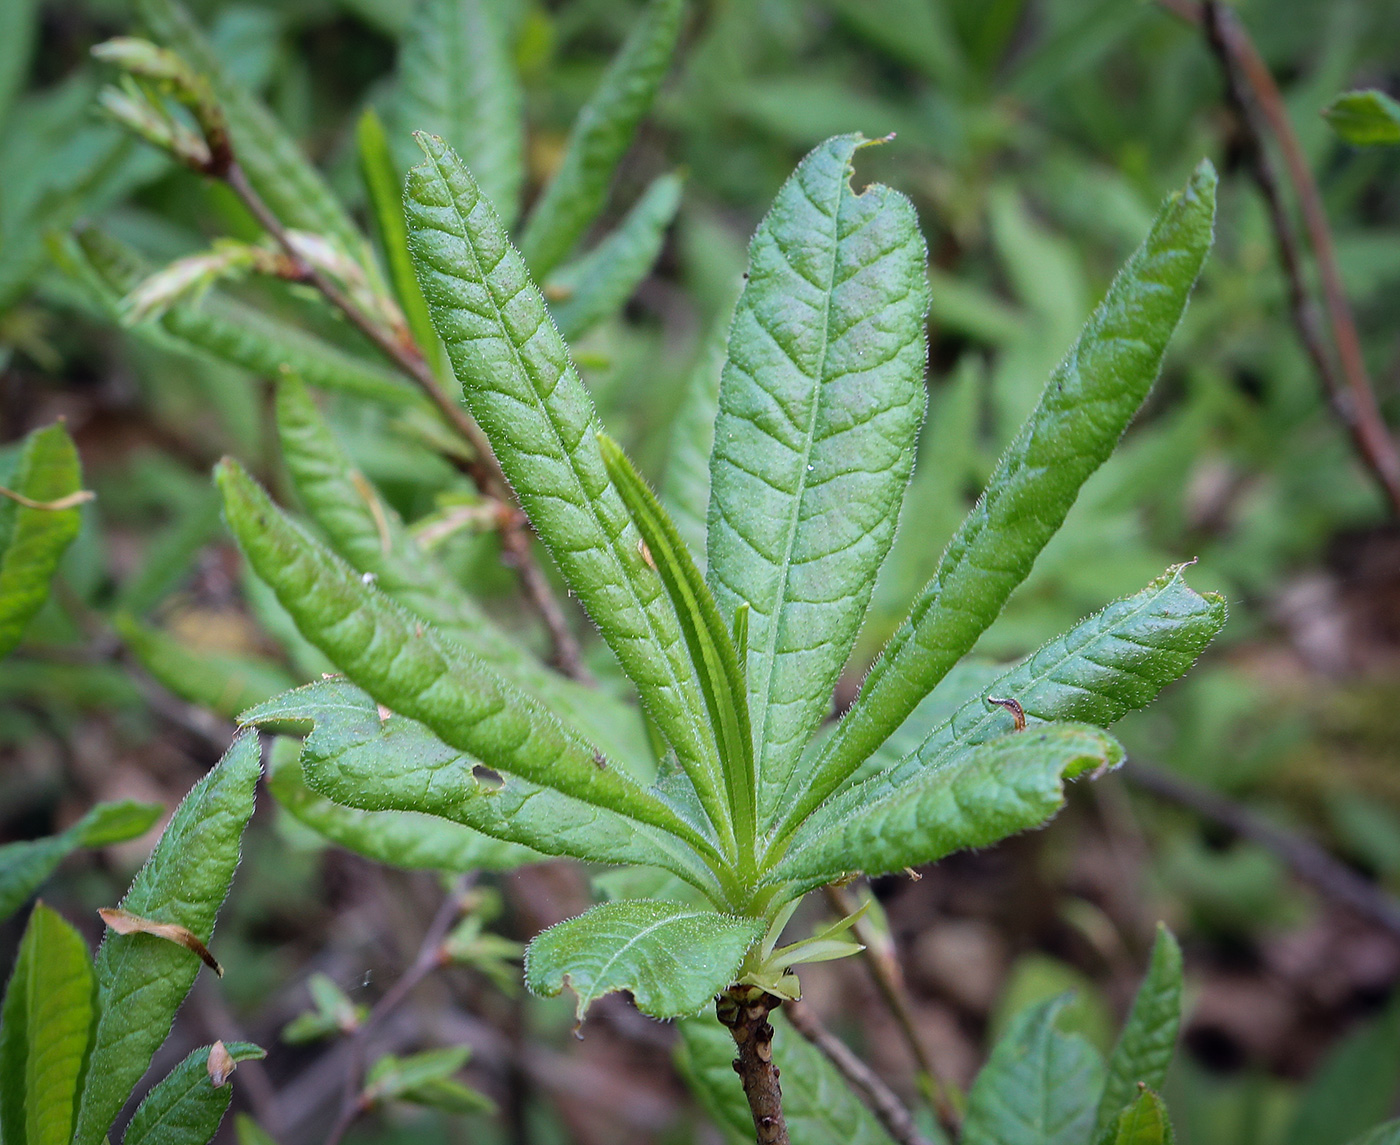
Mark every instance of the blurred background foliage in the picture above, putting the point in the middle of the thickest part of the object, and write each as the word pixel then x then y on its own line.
pixel 1036 138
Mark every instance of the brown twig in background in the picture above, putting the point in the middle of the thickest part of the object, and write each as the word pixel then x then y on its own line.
pixel 484 470
pixel 743 1011
pixel 1310 863
pixel 882 1101
pixel 1259 105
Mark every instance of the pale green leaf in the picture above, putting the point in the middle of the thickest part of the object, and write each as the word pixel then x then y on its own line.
pixel 458 81
pixel 45 1031
pixel 1144 1122
pixel 185 1108
pixel 426 1079
pixel 672 958
pixel 686 489
pixel 1038 1087
pixel 1365 118
pixel 819 408
pixel 1387 1134
pixel 143 979
pixel 1087 404
pixel 600 137
pixel 595 287
pixel 32 540
pixel 1145 1047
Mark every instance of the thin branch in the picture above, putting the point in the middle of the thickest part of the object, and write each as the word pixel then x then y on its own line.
pixel 484 469
pixel 880 1098
pixel 1309 862
pixel 743 1011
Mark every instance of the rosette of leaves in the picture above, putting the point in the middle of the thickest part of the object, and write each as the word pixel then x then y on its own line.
pixel 749 801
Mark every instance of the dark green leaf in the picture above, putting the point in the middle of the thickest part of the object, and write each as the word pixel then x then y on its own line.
pixel 1365 118
pixel 1354 1088
pixel 186 1107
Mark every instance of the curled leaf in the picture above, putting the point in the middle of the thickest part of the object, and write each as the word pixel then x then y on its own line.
pixel 124 922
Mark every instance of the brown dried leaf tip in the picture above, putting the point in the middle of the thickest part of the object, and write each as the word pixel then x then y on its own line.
pixel 221 1065
pixel 1018 713
pixel 124 922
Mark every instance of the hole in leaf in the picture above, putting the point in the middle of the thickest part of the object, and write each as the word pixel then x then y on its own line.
pixel 488 777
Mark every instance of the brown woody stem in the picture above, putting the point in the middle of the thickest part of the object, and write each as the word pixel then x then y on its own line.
pixel 744 1011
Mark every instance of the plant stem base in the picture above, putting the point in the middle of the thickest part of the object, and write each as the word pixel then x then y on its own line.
pixel 744 1011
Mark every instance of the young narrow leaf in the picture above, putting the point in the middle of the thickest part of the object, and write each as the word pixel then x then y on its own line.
pixel 706 636
pixel 686 489
pixel 672 958
pixel 1038 1086
pixel 188 1104
pixel 1144 1049
pixel 1144 1122
pixel 596 286
pixel 600 137
pixel 45 1031
pixel 974 799
pixel 1087 404
pixel 527 397
pixel 141 979
pixel 819 408
pixel 411 670
pixel 458 81
pixel 426 1079
pixel 1365 118
pixel 33 539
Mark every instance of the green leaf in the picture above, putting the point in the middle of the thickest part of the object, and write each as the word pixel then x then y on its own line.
pixel 911 31
pixel 143 979
pixel 404 839
pixel 359 759
pixel 412 671
pixel 1087 404
pixel 426 1079
pixel 185 1108
pixel 819 408
pixel 458 81
pixel 334 1013
pixel 1144 1049
pixel 250 1132
pixel 1387 1134
pixel 1144 1122
pixel 18 23
pixel 820 1108
pixel 1038 1086
pixel 1365 118
pixel 673 958
pixel 24 866
pixel 274 164
pixel 596 286
pixel 45 1032
pixel 1354 1087
pixel 33 540
pixel 527 397
pixel 686 489
pixel 600 137
pixel 708 640
pixel 974 798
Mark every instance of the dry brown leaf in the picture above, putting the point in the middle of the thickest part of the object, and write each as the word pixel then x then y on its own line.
pixel 221 1065
pixel 124 922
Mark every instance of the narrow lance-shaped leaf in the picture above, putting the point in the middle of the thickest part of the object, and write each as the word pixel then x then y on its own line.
pixel 142 979
pixel 596 286
pixel 1087 404
pixel 188 1104
pixel 673 958
pixel 409 669
pixel 33 539
pixel 1144 1049
pixel 45 1031
pixel 601 135
pixel 459 82
pixel 819 409
pixel 686 489
pixel 526 395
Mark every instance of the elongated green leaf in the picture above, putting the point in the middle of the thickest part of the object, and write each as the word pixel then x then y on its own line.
pixel 411 670
pixel 820 1108
pixel 45 1031
pixel 18 22
pixel 527 397
pixel 1355 1086
pixel 819 408
pixel 706 636
pixel 1145 1047
pixel 228 331
pixel 404 839
pixel 458 81
pixel 686 490
pixel 672 958
pixel 1365 118
pixel 32 540
pixel 274 164
pixel 186 1107
pixel 143 979
pixel 600 137
pixel 24 866
pixel 1387 1134
pixel 362 760
pixel 1144 1122
pixel 596 286
pixel 911 31
pixel 426 1079
pixel 1087 404
pixel 1038 1086
pixel 976 798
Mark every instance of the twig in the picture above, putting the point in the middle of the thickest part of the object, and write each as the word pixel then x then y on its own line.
pixel 882 1101
pixel 1309 862
pixel 429 958
pixel 484 470
pixel 1261 109
pixel 743 1011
